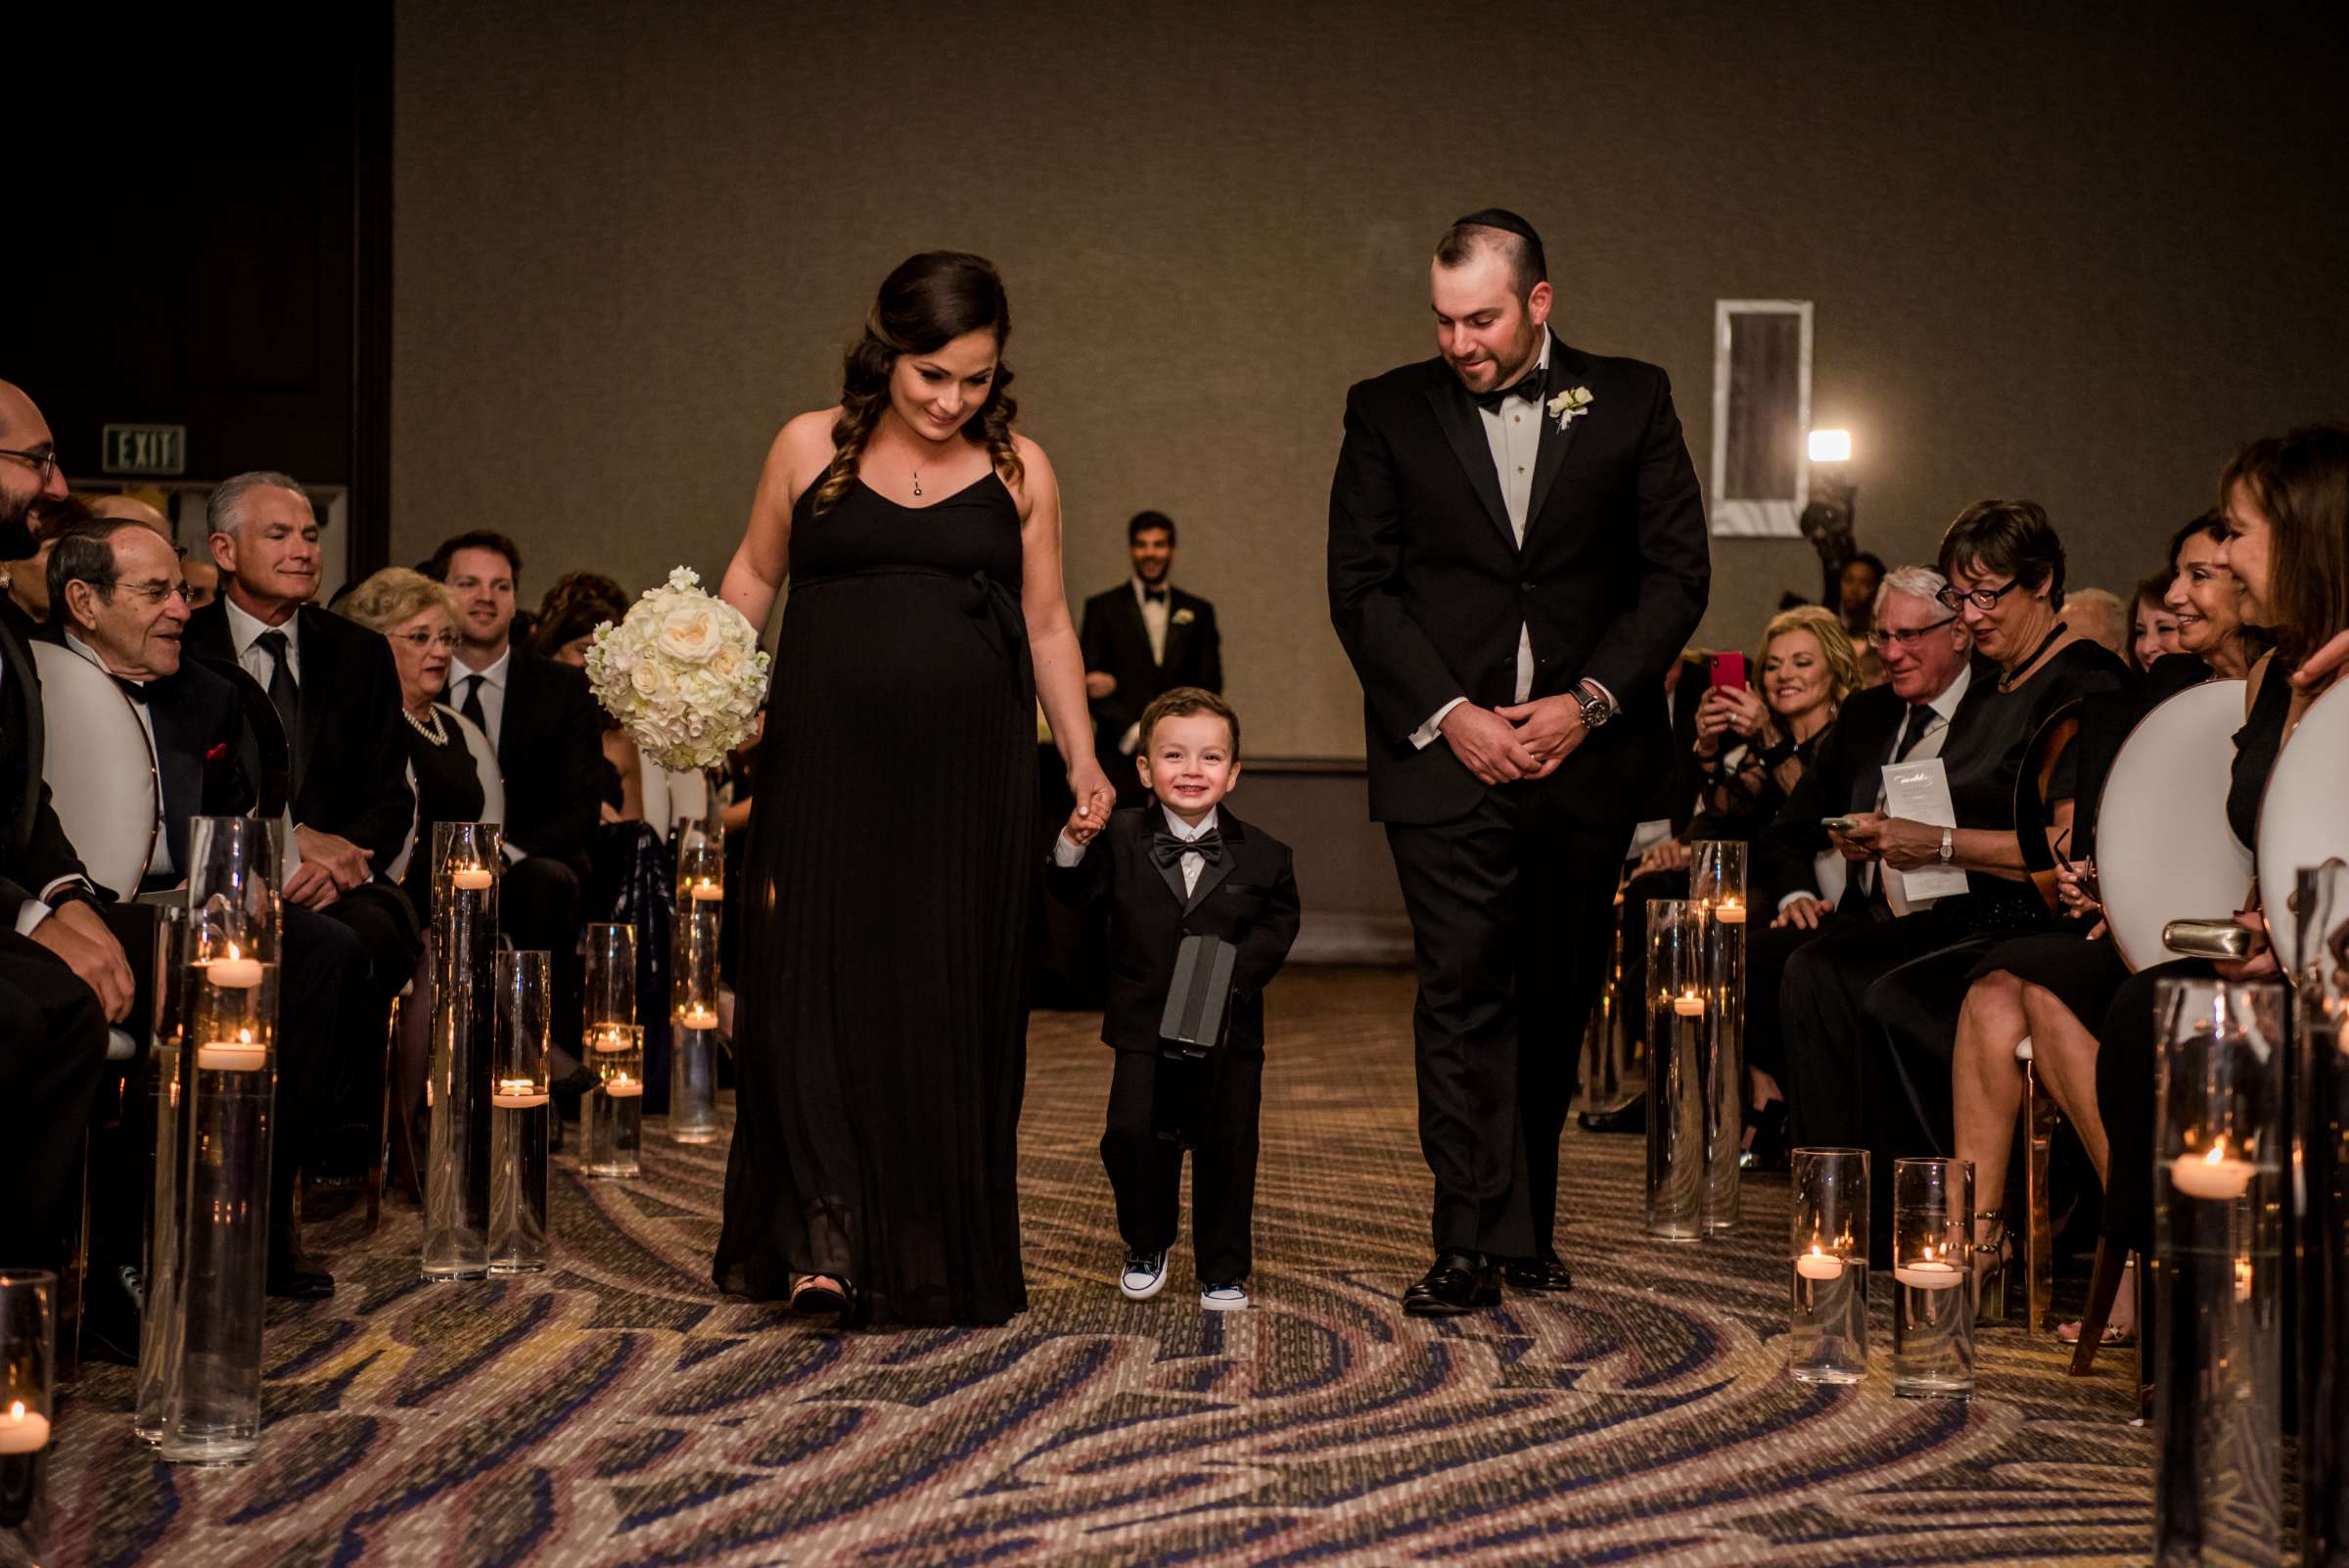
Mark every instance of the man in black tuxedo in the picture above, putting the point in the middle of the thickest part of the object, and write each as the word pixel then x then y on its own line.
pixel 548 732
pixel 1184 866
pixel 120 604
pixel 1142 638
pixel 1517 553
pixel 63 976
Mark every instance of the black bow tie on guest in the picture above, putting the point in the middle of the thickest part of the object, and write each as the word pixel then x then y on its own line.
pixel 1167 850
pixel 1154 596
pixel 135 690
pixel 1529 386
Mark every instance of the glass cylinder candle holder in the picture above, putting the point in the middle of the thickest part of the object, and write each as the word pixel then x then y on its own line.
pixel 2219 1172
pixel 1932 1275
pixel 28 1394
pixel 520 1109
pixel 1607 1079
pixel 1716 893
pixel 615 1050
pixel 1676 1086
pixel 1828 1251
pixel 158 1319
pixel 229 1074
pixel 468 860
pixel 2318 1098
pixel 693 1012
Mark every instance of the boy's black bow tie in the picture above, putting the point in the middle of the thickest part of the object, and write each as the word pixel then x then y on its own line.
pixel 1167 850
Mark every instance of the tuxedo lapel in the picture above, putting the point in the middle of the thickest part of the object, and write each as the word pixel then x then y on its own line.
pixel 1466 432
pixel 178 764
pixel 1213 872
pixel 1170 875
pixel 315 683
pixel 23 729
pixel 1177 632
pixel 518 696
pixel 1566 372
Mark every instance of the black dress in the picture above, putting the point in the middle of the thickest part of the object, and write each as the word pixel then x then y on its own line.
pixel 448 789
pixel 881 1019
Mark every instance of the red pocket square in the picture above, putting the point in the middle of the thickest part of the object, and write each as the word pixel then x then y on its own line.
pixel 216 753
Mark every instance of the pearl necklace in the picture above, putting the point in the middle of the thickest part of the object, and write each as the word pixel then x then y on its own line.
pixel 433 733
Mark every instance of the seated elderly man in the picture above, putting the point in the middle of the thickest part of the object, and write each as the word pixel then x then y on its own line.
pixel 120 604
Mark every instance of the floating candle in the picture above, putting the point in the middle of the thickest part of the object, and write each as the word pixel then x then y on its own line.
pixel 1929 1273
pixel 234 972
pixel 1731 913
pixel 2212 1175
pixel 472 878
pixel 623 1088
pixel 698 1017
pixel 1689 1004
pixel 238 1056
pixel 613 1037
pixel 706 889
pixel 1817 1264
pixel 23 1431
pixel 517 1094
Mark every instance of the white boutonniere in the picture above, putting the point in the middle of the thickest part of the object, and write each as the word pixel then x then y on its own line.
pixel 1184 616
pixel 1570 405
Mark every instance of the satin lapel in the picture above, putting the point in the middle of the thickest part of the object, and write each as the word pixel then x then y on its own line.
pixel 1176 631
pixel 518 696
pixel 21 678
pixel 179 770
pixel 1566 371
pixel 1170 875
pixel 1467 432
pixel 317 660
pixel 1211 874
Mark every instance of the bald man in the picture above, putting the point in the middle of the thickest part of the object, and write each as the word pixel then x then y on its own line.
pixel 62 973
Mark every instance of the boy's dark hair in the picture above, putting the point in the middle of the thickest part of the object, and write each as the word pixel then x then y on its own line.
pixel 1184 702
pixel 436 567
pixel 1142 523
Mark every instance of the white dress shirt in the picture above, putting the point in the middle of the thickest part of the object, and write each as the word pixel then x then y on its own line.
pixel 161 861
pixel 245 629
pixel 1155 616
pixel 492 686
pixel 1067 853
pixel 1513 432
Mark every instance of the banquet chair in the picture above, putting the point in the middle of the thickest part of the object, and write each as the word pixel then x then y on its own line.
pixel 101 776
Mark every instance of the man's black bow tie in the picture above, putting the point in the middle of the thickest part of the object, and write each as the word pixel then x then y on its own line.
pixel 1166 849
pixel 1529 386
pixel 1154 596
pixel 135 690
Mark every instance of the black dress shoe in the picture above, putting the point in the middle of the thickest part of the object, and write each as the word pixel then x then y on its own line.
pixel 294 1274
pixel 1630 1117
pixel 1460 1282
pixel 1544 1272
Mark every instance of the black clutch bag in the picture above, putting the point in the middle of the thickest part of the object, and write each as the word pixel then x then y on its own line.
pixel 1198 1002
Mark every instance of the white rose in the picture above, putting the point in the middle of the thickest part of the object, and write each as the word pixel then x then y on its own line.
pixel 649 679
pixel 691 633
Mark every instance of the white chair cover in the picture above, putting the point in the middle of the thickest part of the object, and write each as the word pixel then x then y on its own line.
pixel 2163 848
pixel 485 764
pixel 688 798
pixel 2303 820
pixel 653 779
pixel 99 767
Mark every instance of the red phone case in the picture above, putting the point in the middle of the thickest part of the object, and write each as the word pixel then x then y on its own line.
pixel 1728 670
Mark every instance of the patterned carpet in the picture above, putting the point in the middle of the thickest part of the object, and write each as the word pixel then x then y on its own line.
pixel 616 1411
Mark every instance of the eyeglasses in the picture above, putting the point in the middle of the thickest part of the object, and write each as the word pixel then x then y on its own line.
pixel 1880 639
pixel 44 463
pixel 442 640
pixel 1955 598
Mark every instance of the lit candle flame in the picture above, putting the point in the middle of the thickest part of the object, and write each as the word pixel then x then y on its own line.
pixel 15 1409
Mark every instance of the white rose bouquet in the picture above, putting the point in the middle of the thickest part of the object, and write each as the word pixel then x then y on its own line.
pixel 682 672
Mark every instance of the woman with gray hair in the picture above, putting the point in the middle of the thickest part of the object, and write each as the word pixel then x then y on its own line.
pixel 419 617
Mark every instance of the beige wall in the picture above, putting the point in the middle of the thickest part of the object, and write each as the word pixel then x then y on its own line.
pixel 2073 260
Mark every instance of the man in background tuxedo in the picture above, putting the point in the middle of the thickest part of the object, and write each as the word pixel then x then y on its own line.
pixel 549 737
pixel 1511 616
pixel 62 974
pixel 121 605
pixel 1141 639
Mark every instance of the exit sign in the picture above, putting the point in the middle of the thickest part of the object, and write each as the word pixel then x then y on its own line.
pixel 145 449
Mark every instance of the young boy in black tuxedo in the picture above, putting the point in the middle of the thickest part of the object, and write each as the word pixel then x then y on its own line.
pixel 1178 867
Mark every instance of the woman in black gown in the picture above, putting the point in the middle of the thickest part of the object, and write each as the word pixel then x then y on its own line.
pixel 881 1021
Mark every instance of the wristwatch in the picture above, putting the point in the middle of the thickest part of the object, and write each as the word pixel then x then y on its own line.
pixel 1597 708
pixel 1949 844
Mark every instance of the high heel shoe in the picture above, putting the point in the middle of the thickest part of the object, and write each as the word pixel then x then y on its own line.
pixel 1992 1279
pixel 823 1296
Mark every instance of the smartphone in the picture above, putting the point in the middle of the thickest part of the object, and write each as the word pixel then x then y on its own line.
pixel 1727 670
pixel 1839 824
